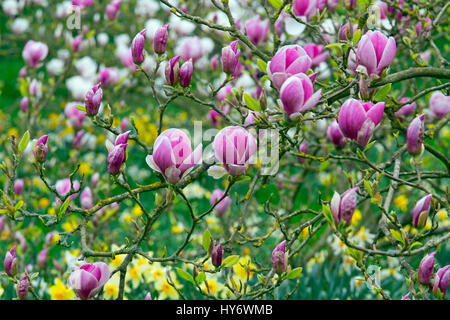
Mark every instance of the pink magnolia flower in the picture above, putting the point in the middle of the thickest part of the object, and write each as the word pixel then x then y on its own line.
pixel 304 8
pixel 257 30
pixel 230 57
pixel 112 10
pixel 441 280
pixel 335 135
pixel 439 104
pixel 414 135
pixel 160 39
pixel 108 76
pixel 421 211
pixel 316 53
pixel 223 205
pixel 405 110
pixel 375 51
pixel 82 3
pixel 172 155
pixel 426 267
pixel 343 206
pixel 34 52
pixel 289 61
pixel 280 258
pixel 63 187
pixel 357 120
pixel 86 198
pixel 297 95
pixel 89 279
pixel 233 148
pixel 76 117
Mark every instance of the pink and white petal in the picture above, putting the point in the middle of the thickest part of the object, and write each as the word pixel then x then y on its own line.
pixel 312 101
pixel 152 164
pixel 216 172
pixel 388 54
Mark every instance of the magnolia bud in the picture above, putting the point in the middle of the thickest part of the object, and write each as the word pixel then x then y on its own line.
pixel 22 288
pixel 10 263
pixel 172 71
pixel 426 268
pixel 93 100
pixel 160 39
pixel 41 149
pixel 279 258
pixel 186 73
pixel 137 47
pixel 216 255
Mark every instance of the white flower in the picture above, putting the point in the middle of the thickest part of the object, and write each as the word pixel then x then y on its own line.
pixel 20 25
pixel 55 66
pixel 146 8
pixel 152 26
pixel 86 67
pixel 78 86
pixel 63 9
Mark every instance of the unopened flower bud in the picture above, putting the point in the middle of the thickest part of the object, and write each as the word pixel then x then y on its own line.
pixel 160 39
pixel 137 47
pixel 93 100
pixel 216 255
pixel 10 263
pixel 186 73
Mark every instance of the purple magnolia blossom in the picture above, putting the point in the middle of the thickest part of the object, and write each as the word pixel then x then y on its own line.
pixel 108 76
pixel 347 31
pixel 137 47
pixel 76 143
pixel 42 258
pixel 421 211
pixel 357 120
pixel 280 258
pixel 297 95
pixel 172 155
pixel 230 57
pixel 116 156
pixel 289 61
pixel 82 3
pixel 24 104
pixel 93 100
pixel 172 70
pixel 89 278
pixel 439 104
pixel 426 267
pixel 335 135
pixel 22 288
pixel 257 30
pixel 63 187
pixel 18 186
pixel 186 73
pixel 10 263
pixel 41 149
pixel 304 8
pixel 316 53
pixel 223 205
pixel 160 39
pixel 441 280
pixel 34 52
pixel 233 148
pixel 216 255
pixel 76 117
pixel 375 51
pixel 86 198
pixel 414 135
pixel 405 110
pixel 112 10
pixel 343 206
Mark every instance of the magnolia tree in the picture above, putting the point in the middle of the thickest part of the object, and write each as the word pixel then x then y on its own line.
pixel 225 149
